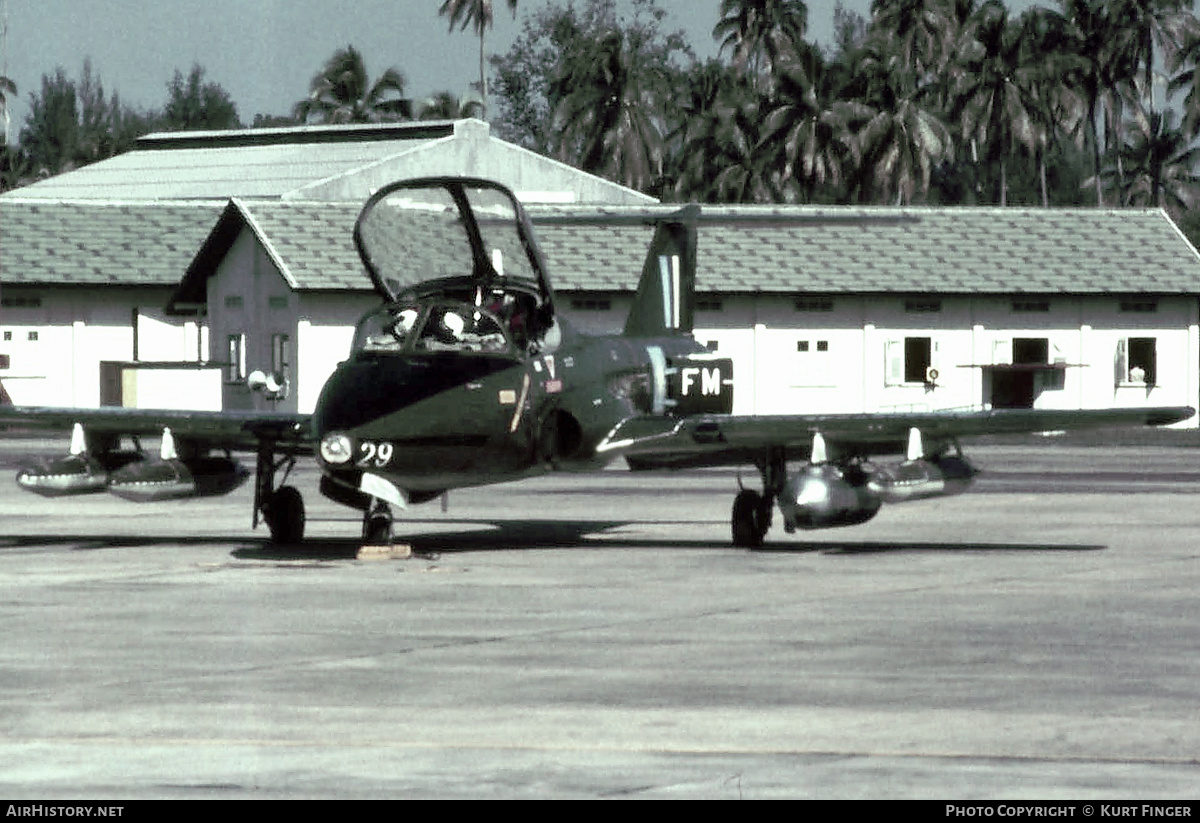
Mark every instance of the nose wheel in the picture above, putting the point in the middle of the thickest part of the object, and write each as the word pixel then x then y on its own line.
pixel 377 524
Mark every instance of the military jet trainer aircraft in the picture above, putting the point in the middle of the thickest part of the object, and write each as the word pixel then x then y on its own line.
pixel 466 375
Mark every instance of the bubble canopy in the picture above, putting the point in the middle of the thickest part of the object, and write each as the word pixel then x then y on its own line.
pixel 448 234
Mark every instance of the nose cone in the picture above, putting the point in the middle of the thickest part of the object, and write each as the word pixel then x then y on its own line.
pixel 369 388
pixel 417 419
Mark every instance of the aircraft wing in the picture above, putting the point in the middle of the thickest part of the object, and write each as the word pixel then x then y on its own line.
pixel 232 430
pixel 722 439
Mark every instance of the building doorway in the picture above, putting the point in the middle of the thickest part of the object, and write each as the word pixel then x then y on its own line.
pixel 1016 385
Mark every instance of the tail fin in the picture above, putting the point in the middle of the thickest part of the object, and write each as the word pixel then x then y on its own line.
pixel 665 303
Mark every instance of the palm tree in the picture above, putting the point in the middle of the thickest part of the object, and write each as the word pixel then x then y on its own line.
pixel 609 110
pixel 1056 108
pixel 1158 164
pixel 445 106
pixel 760 32
pixel 744 174
pixel 898 137
pixel 1187 63
pixel 991 93
pixel 1101 65
pixel 922 30
pixel 7 89
pixel 1144 24
pixel 808 128
pixel 716 147
pixel 477 14
pixel 341 93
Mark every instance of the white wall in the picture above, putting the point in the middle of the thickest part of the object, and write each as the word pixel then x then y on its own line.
pixel 324 335
pixel 188 389
pixel 249 299
pixel 56 338
pixel 846 368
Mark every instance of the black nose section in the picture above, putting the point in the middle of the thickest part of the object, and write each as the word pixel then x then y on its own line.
pixel 371 386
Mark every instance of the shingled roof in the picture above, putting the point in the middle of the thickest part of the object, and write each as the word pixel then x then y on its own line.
pixel 45 242
pixel 832 250
pixel 919 250
pixel 886 250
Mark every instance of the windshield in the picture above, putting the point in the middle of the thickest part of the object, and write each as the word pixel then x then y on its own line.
pixel 448 229
pixel 439 325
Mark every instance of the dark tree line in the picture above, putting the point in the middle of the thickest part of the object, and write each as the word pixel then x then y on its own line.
pixel 73 122
pixel 941 101
pixel 1071 102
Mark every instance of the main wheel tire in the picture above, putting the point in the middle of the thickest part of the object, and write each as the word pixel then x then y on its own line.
pixel 284 514
pixel 749 519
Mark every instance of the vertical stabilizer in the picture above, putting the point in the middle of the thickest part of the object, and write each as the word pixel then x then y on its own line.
pixel 665 301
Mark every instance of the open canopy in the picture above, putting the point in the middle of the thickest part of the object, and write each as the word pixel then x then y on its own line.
pixel 453 235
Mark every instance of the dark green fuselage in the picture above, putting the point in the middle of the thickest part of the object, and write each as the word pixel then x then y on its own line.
pixel 430 421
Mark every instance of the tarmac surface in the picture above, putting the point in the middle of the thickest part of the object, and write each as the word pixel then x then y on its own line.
pixel 596 636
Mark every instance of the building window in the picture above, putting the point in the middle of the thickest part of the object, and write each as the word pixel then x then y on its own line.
pixel 7 336
pixel 1137 361
pixel 235 369
pixel 1030 306
pixel 809 304
pixel 280 354
pixel 1030 350
pixel 234 301
pixel 822 345
pixel 32 337
pixel 21 302
pixel 801 345
pixel 918 357
pixel 277 302
pixel 591 304
pixel 924 305
pixel 1139 306
pixel 709 304
pixel 713 345
pixel 4 361
pixel 909 360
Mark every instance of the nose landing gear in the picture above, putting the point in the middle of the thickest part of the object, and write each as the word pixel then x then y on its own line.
pixel 377 524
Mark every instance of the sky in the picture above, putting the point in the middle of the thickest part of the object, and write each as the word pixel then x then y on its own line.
pixel 264 52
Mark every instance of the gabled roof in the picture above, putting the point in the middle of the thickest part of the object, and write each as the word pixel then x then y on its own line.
pixel 321 163
pixel 832 250
pixel 311 245
pixel 269 163
pixel 44 242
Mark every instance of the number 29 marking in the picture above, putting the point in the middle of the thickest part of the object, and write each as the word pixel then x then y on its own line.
pixel 375 454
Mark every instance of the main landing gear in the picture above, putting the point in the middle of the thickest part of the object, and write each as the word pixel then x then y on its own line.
pixel 281 508
pixel 752 511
